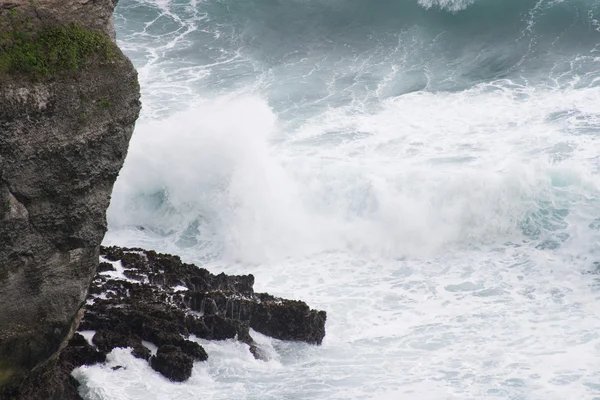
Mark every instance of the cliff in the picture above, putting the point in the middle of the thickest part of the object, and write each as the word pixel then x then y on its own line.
pixel 69 100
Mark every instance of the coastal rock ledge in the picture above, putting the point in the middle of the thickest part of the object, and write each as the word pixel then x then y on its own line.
pixel 156 305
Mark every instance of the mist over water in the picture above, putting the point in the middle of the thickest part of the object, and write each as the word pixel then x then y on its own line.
pixel 424 170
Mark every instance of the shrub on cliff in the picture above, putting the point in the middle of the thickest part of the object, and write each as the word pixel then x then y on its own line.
pixel 52 50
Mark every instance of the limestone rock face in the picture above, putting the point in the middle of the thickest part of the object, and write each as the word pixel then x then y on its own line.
pixel 93 14
pixel 63 140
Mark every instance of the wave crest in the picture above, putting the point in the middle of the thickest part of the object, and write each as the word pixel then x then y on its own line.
pixel 450 5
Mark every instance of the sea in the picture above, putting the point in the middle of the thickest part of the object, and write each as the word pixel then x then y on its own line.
pixel 426 171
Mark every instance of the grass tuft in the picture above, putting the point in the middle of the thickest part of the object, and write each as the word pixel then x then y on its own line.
pixel 52 50
pixel 104 103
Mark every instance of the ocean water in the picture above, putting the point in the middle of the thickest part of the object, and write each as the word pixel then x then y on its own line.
pixel 426 171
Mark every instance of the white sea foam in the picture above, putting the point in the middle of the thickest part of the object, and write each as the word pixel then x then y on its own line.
pixel 412 239
pixel 451 5
pixel 411 184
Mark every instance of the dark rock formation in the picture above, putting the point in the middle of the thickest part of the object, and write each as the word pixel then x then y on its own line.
pixel 173 363
pixel 65 125
pixel 52 380
pixel 156 298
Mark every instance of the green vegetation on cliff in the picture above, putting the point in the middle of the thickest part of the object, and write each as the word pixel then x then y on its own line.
pixel 52 50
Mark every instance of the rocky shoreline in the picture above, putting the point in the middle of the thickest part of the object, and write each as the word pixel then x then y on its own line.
pixel 144 300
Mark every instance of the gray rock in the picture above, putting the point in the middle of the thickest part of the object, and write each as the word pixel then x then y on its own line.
pixel 93 14
pixel 63 140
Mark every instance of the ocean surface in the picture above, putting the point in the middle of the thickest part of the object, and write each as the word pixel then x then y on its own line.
pixel 426 171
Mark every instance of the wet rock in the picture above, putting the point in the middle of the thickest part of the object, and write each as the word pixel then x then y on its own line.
pixel 141 352
pixel 53 380
pixel 288 320
pixel 214 327
pixel 105 267
pixel 164 301
pixel 272 316
pixel 194 350
pixel 172 363
pixel 79 352
pixel 106 341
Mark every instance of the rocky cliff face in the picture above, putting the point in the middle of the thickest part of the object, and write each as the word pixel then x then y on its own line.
pixel 69 100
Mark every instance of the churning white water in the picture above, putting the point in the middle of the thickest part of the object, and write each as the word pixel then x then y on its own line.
pixel 424 171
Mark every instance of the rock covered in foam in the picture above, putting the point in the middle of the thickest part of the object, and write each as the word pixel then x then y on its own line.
pixel 173 363
pixel 142 296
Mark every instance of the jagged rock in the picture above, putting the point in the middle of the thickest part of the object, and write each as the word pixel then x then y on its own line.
pixel 163 301
pixel 64 133
pixel 79 352
pixel 279 318
pixel 52 380
pixel 173 363
pixel 287 319
pixel 141 352
pixel 215 327
pixel 106 341
pixel 169 271
pixel 105 267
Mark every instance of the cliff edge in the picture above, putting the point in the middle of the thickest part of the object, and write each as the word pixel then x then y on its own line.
pixel 69 100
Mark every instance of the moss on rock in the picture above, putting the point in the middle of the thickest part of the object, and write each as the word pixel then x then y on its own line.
pixel 52 50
